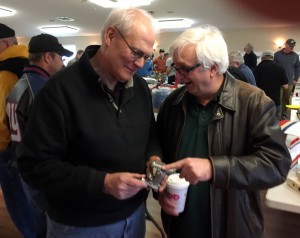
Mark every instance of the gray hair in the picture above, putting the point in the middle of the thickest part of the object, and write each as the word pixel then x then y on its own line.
pixel 236 56
pixel 249 47
pixel 124 18
pixel 267 57
pixel 211 47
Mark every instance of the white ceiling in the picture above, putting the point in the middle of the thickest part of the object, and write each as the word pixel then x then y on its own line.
pixel 89 18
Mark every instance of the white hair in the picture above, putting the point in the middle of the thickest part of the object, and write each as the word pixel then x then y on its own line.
pixel 124 18
pixel 236 56
pixel 211 47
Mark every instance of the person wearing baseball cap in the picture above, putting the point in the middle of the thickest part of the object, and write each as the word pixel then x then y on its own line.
pixel 45 59
pixel 47 43
pixel 13 57
pixel 289 60
pixel 6 32
pixel 271 78
pixel 290 42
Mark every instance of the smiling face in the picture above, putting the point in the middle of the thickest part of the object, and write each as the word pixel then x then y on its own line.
pixel 200 82
pixel 123 48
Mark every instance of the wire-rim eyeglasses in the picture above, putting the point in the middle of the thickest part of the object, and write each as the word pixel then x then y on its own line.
pixel 135 53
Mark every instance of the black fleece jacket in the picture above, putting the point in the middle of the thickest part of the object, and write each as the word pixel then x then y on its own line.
pixel 75 136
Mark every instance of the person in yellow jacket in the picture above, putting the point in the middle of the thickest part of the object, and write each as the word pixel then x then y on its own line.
pixel 12 60
pixel 13 57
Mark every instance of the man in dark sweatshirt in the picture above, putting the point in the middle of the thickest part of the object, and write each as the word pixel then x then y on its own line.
pixel 89 135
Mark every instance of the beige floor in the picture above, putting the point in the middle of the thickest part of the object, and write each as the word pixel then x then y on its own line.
pixel 278 224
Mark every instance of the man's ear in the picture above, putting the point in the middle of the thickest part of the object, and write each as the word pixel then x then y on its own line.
pixel 109 35
pixel 214 70
pixel 47 57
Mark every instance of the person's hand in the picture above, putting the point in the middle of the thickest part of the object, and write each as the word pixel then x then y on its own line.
pixel 295 82
pixel 193 170
pixel 166 204
pixel 123 185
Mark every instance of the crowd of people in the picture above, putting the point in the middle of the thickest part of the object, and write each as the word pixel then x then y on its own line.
pixel 76 142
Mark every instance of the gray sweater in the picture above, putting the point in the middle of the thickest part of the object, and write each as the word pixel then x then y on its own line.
pixel 290 63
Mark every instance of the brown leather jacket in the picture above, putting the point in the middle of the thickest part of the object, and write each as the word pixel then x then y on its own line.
pixel 247 150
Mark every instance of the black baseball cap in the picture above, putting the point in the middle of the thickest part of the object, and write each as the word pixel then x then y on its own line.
pixel 291 42
pixel 6 31
pixel 47 43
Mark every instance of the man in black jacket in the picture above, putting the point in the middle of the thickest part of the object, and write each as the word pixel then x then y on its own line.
pixel 271 78
pixel 250 57
pixel 223 136
pixel 88 136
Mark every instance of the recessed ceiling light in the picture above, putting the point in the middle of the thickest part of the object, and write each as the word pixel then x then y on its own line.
pixel 120 3
pixel 6 12
pixel 56 30
pixel 173 23
pixel 65 19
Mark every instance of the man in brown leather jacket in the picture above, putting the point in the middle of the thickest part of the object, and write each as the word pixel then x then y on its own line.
pixel 223 136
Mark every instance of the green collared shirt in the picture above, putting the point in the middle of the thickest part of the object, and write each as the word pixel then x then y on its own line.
pixel 195 220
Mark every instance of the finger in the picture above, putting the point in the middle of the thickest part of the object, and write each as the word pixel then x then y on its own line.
pixel 137 176
pixel 138 180
pixel 176 165
pixel 162 187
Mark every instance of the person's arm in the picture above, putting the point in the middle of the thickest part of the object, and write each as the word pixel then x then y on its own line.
pixel 41 155
pixel 46 161
pixel 297 70
pixel 254 61
pixel 7 82
pixel 284 80
pixel 276 58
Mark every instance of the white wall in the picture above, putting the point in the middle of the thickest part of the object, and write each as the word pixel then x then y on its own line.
pixel 261 38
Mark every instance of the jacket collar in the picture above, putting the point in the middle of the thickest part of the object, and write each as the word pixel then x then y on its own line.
pixel 228 95
pixel 89 52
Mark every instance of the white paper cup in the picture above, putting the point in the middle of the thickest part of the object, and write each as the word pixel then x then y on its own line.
pixel 177 190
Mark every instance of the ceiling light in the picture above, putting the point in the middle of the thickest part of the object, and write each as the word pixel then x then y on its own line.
pixel 120 3
pixel 56 30
pixel 279 43
pixel 173 23
pixel 64 19
pixel 6 12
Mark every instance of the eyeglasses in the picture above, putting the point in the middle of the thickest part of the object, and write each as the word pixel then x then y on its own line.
pixel 185 70
pixel 135 53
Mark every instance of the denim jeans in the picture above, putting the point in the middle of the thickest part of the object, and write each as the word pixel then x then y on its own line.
pixel 38 203
pixel 133 226
pixel 16 202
